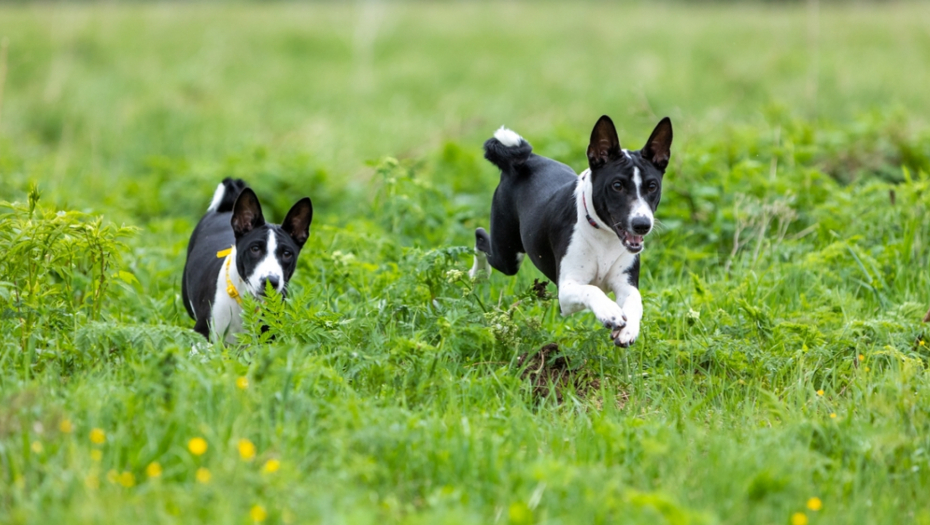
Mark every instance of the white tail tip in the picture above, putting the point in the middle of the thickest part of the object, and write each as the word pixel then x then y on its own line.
pixel 508 137
pixel 217 197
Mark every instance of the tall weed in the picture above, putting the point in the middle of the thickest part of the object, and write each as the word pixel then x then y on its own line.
pixel 55 275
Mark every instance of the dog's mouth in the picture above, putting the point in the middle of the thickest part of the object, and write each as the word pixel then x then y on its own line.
pixel 633 243
pixel 260 291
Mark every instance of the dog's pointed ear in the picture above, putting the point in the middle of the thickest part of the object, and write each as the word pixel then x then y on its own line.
pixel 247 213
pixel 604 144
pixel 658 148
pixel 297 222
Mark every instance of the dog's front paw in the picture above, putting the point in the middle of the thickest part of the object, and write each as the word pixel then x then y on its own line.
pixel 625 336
pixel 612 318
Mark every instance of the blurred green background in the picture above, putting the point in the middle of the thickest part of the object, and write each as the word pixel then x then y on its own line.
pixel 97 95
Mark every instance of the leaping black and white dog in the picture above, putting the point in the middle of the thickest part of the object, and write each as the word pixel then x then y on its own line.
pixel 584 232
pixel 234 251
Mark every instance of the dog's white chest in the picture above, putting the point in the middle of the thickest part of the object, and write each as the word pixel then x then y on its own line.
pixel 594 257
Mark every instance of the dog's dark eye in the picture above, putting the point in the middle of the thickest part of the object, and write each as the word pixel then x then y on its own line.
pixel 617 186
pixel 652 187
pixel 256 249
pixel 286 255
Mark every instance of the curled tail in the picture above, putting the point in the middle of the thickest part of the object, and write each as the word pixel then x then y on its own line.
pixel 225 195
pixel 507 150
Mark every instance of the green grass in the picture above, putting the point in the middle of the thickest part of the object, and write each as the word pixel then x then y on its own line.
pixel 782 356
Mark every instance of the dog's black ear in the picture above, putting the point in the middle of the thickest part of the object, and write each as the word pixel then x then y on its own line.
pixel 297 222
pixel 658 148
pixel 604 144
pixel 247 213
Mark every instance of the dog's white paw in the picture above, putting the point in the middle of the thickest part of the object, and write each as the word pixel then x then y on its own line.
pixel 611 316
pixel 626 336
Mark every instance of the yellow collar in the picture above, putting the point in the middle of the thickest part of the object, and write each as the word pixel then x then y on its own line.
pixel 230 287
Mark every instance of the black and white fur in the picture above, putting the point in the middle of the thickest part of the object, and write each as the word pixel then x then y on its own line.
pixel 584 232
pixel 261 254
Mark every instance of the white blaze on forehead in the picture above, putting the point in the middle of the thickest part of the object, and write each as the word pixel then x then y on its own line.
pixel 217 197
pixel 268 267
pixel 508 137
pixel 641 207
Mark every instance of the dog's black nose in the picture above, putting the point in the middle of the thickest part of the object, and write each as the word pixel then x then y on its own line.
pixel 273 280
pixel 641 225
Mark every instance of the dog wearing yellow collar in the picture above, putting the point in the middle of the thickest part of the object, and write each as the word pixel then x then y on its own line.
pixel 233 252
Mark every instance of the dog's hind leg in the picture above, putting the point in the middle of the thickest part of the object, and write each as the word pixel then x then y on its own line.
pixel 504 255
pixel 481 269
pixel 503 247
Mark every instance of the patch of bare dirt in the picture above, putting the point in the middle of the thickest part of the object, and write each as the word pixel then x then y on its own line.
pixel 553 375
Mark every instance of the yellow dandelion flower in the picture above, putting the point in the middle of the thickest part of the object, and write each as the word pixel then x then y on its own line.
pixel 153 470
pixel 866 368
pixel 112 476
pixel 271 466
pixel 258 513
pixel 127 479
pixel 861 357
pixel 92 482
pixel 922 343
pixel 98 436
pixel 242 382
pixel 96 455
pixel 833 415
pixel 37 447
pixel 203 475
pixel 799 518
pixel 65 426
pixel 197 446
pixel 820 392
pixel 246 450
pixel 814 504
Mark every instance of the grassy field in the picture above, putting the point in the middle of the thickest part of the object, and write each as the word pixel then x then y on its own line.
pixel 782 373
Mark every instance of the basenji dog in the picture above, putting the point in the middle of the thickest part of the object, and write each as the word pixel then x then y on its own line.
pixel 233 251
pixel 584 232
